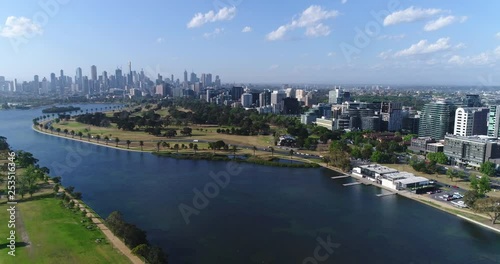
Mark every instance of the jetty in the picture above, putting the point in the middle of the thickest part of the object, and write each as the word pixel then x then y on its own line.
pixel 352 183
pixel 340 177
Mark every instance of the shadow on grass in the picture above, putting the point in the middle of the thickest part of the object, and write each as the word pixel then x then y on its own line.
pixel 34 198
pixel 18 245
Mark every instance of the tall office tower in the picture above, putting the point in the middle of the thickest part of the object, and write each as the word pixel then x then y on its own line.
pixel 172 78
pixel 392 116
pixel 78 78
pixel 93 72
pixel 246 100
pixel 14 86
pixel 62 82
pixel 290 92
pixel 335 96
pixel 130 79
pixel 236 92
pixel 265 98
pixel 203 79
pixel 435 120
pixel 105 80
pixel 36 85
pixel 494 121
pixel 85 85
pixel 471 121
pixel 300 94
pixel 208 79
pixel 472 100
pixel 185 76
pixel 53 83
pixel 217 81
pixel 277 98
pixel 193 78
pixel 45 86
pixel 119 78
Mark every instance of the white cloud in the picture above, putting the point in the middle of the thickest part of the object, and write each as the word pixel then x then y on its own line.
pixel 497 35
pixel 199 19
pixel 311 19
pixel 246 29
pixel 214 33
pixel 423 47
pixel 160 40
pixel 443 22
pixel 19 26
pixel 343 1
pixel 318 31
pixel 497 51
pixel 410 14
pixel 392 37
pixel 455 59
pixel 331 54
pixel 385 54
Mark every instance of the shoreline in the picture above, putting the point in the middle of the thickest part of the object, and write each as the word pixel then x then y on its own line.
pixel 429 202
pixel 180 155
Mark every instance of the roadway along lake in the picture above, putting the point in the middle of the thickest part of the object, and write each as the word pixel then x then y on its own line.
pixel 263 215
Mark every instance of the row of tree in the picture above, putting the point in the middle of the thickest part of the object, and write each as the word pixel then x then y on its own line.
pixel 135 238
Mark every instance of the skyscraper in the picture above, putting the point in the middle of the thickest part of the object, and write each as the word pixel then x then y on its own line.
pixel 471 121
pixel 236 92
pixel 185 76
pixel 119 78
pixel 193 78
pixel 335 96
pixel 494 121
pixel 53 83
pixel 392 116
pixel 435 120
pixel 93 72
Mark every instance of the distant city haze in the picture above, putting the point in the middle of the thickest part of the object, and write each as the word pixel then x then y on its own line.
pixel 294 42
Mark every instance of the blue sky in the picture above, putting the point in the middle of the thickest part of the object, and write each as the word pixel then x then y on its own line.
pixel 303 41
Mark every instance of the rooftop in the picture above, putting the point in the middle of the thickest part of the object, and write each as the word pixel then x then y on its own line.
pixel 412 180
pixel 378 168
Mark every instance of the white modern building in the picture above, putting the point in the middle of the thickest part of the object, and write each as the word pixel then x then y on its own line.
pixel 391 178
pixel 471 121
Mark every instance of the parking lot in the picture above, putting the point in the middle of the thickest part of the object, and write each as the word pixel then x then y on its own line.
pixel 451 195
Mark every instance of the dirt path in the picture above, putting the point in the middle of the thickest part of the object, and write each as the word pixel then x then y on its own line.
pixel 22 232
pixel 114 240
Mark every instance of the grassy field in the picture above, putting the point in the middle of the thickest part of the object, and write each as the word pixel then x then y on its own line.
pixel 55 235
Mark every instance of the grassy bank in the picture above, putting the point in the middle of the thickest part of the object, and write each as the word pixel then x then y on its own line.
pixel 240 158
pixel 55 234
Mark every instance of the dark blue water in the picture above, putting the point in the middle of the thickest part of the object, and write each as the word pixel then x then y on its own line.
pixel 263 215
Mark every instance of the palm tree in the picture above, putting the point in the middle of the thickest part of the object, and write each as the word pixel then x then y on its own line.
pixel 272 151
pixel 98 137
pixel 291 155
pixel 72 133
pixel 141 143
pixel 106 138
pixel 157 146
pixel 51 129
pixel 195 147
pixel 254 149
pixel 80 134
pixel 128 144
pixel 176 147
pixel 117 140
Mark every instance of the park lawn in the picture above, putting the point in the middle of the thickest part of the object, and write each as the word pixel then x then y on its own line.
pixel 438 177
pixel 57 235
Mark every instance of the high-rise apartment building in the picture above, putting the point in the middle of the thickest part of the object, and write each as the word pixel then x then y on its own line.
pixel 471 121
pixel 435 120
pixel 494 121
pixel 93 72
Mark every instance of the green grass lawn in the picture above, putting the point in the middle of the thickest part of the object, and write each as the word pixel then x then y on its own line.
pixel 56 235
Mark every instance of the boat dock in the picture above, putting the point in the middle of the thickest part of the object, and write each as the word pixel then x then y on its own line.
pixel 385 194
pixel 340 177
pixel 352 183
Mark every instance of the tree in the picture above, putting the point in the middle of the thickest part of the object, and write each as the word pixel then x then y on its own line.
pixel 470 197
pixel 157 145
pixel 480 185
pixel 164 144
pixel 30 179
pixel 451 174
pixel 291 155
pixel 195 148
pixel 254 149
pixel 488 169
pixel 128 143
pixel 89 136
pixel 98 137
pixel 106 138
pixel 80 134
pixel 438 157
pixel 176 147
pixel 272 151
pixel 489 206
pixel 117 140
pixel 25 159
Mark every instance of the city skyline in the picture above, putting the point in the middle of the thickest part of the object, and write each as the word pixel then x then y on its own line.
pixel 423 43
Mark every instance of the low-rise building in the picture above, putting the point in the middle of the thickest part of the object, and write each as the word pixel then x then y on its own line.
pixel 472 151
pixel 419 145
pixel 393 179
